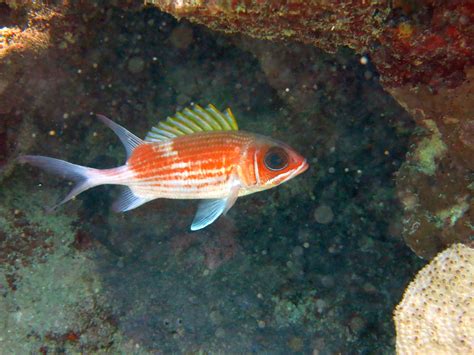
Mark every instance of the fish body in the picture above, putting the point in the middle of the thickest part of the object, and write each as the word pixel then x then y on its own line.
pixel 198 154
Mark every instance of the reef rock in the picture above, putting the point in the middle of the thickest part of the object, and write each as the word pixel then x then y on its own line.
pixel 435 183
pixel 427 42
pixel 424 53
pixel 436 315
pixel 25 37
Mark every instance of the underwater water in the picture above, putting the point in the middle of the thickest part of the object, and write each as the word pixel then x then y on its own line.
pixel 315 265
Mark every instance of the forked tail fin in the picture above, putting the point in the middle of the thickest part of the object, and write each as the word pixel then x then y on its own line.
pixel 84 177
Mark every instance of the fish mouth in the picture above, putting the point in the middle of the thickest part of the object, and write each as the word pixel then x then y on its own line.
pixel 289 174
pixel 304 166
pixel 300 169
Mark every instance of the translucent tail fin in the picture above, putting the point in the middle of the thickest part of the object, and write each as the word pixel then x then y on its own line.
pixel 84 177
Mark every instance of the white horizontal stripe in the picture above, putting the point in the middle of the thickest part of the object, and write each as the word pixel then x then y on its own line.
pixel 179 165
pixel 185 182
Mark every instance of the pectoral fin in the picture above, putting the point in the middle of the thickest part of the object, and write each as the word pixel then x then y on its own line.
pixel 209 210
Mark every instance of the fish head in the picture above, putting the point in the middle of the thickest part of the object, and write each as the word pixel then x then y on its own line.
pixel 275 162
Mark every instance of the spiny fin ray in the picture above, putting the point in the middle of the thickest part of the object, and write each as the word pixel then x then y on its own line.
pixel 193 120
pixel 129 140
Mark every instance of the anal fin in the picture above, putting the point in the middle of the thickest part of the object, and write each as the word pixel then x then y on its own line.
pixel 128 201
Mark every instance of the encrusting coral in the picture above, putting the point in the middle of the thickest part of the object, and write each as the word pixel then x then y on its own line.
pixel 436 315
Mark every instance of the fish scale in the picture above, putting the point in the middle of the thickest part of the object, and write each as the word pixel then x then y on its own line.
pixel 201 168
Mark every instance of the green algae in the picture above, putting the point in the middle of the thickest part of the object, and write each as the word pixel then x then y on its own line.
pixel 35 212
pixel 23 218
pixel 48 299
pixel 452 214
pixel 429 149
pixel 287 312
pixel 55 289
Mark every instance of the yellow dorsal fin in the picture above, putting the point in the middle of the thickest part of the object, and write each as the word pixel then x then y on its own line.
pixel 193 120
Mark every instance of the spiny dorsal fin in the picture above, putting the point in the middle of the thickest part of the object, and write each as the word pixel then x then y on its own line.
pixel 129 140
pixel 193 120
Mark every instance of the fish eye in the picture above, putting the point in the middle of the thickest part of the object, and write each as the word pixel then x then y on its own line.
pixel 276 159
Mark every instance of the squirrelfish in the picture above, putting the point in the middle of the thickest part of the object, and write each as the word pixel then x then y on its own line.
pixel 198 154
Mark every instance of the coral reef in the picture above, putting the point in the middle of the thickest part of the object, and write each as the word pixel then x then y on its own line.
pixel 423 53
pixel 435 184
pixel 17 40
pixel 291 20
pixel 436 315
pixel 19 43
pixel 315 266
pixel 426 42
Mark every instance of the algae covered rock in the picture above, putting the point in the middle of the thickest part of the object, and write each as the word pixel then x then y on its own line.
pixel 51 296
pixel 406 40
pixel 435 184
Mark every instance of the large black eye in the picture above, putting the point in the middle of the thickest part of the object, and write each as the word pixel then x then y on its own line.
pixel 276 159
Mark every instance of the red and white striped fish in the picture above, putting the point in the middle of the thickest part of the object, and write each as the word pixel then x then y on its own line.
pixel 197 154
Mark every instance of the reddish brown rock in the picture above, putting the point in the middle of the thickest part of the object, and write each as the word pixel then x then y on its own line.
pixel 435 183
pixel 312 22
pixel 451 108
pixel 428 42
